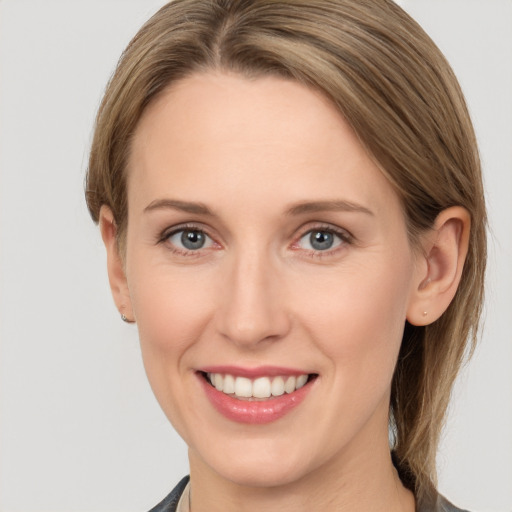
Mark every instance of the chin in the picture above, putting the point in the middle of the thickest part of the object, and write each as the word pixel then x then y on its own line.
pixel 256 463
pixel 260 474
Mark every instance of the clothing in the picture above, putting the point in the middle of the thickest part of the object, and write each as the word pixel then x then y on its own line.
pixel 184 503
pixel 170 503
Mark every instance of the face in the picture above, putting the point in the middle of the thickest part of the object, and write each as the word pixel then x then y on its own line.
pixel 269 271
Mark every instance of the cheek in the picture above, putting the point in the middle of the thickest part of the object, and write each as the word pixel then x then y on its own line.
pixel 172 307
pixel 359 331
pixel 171 311
pixel 358 321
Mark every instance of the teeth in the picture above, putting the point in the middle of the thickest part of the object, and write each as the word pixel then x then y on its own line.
pixel 243 387
pixel 218 382
pixel 290 384
pixel 229 384
pixel 301 380
pixel 262 387
pixel 278 386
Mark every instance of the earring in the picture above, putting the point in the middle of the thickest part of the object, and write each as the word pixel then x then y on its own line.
pixel 425 313
pixel 125 319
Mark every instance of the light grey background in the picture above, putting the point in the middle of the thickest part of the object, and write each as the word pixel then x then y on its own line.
pixel 80 429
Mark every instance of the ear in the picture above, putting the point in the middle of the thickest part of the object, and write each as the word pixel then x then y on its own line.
pixel 440 266
pixel 115 267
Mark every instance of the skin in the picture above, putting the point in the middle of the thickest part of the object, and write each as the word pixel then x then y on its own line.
pixel 258 294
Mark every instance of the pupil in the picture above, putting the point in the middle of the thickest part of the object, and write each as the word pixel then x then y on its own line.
pixel 192 239
pixel 321 240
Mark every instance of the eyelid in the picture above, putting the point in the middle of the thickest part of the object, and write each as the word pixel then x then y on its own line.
pixel 323 226
pixel 171 230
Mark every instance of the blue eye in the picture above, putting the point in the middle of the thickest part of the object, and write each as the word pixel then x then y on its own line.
pixel 190 239
pixel 320 240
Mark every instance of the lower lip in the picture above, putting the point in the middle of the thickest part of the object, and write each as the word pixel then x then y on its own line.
pixel 257 412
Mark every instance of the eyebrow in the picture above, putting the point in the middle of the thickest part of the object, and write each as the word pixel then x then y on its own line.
pixel 327 206
pixel 174 204
pixel 296 209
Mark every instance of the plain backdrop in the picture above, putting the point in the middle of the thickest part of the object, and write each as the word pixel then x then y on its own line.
pixel 80 429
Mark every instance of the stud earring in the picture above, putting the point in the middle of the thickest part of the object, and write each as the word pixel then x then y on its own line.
pixel 425 313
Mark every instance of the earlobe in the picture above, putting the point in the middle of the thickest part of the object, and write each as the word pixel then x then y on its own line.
pixel 445 250
pixel 115 267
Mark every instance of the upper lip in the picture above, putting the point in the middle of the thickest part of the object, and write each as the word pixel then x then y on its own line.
pixel 253 373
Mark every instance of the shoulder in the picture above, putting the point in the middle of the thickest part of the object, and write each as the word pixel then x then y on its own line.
pixel 438 503
pixel 169 503
pixel 445 506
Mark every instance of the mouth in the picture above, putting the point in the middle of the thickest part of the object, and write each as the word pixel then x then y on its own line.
pixel 256 396
pixel 260 388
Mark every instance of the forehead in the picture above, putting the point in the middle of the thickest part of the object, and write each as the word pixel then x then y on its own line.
pixel 224 134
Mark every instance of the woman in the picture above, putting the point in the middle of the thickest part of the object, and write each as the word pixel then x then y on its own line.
pixel 291 202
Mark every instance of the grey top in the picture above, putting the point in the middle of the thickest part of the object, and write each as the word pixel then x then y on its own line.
pixel 169 504
pixel 438 504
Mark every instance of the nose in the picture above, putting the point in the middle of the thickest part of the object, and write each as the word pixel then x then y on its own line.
pixel 252 307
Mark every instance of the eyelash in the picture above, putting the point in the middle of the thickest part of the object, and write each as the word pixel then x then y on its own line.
pixel 345 239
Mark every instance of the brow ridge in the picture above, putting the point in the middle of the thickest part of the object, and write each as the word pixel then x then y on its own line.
pixel 331 205
pixel 296 209
pixel 175 204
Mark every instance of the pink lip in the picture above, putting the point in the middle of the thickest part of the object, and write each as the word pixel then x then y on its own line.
pixel 253 373
pixel 253 412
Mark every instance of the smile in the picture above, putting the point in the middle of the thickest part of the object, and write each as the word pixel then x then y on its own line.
pixel 259 388
pixel 255 396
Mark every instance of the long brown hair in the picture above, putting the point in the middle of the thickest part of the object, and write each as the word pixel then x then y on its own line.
pixel 394 87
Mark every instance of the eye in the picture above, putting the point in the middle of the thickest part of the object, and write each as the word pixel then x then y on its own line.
pixel 190 239
pixel 320 240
